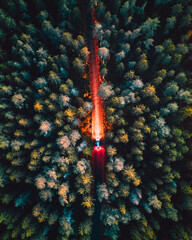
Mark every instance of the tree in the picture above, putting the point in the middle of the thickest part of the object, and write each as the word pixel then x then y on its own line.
pixel 185 96
pixel 125 10
pixel 18 100
pixel 85 228
pixel 54 78
pixel 111 216
pixel 154 202
pixel 63 192
pixel 82 112
pixel 120 70
pixel 111 151
pixel 22 199
pixel 64 100
pixel 100 10
pixel 88 106
pixel 77 15
pixel 148 90
pixel 149 27
pixel 84 53
pixel 88 203
pixel 81 166
pixel 177 9
pixel 173 107
pixel 185 21
pixel 120 56
pixel 65 227
pixel 170 24
pixel 75 136
pixel 148 43
pixel 16 145
pixel 137 84
pixel 78 65
pixel 8 21
pixel 63 142
pixel 171 88
pixel 134 198
pixel 103 53
pixel 81 41
pixel 43 15
pixel 179 233
pixel 3 177
pixel 4 142
pixel 181 78
pixel 105 91
pixel 135 213
pixel 53 33
pixel 67 38
pixel 97 27
pixel 142 64
pixel 136 33
pixel 187 203
pixel 45 127
pixel 102 192
pixel 107 19
pixel 118 164
pixel 40 82
pixel 38 106
pixel 40 182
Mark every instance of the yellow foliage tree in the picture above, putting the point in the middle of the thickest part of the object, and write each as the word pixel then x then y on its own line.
pixel 70 114
pixel 88 203
pixel 87 151
pixel 122 208
pixel 86 178
pixel 124 138
pixel 129 172
pixel 38 107
pixel 187 111
pixel 149 90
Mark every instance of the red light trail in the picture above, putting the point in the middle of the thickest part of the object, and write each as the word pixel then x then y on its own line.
pixel 97 112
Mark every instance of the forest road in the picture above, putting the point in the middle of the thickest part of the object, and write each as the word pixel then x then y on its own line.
pixel 98 154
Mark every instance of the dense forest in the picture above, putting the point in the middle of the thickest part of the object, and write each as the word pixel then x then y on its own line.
pixel 46 178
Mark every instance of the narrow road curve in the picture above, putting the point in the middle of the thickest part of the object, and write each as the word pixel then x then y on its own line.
pixel 98 155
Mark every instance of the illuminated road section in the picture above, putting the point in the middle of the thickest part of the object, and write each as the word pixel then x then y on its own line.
pixel 97 119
